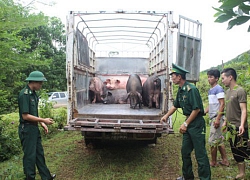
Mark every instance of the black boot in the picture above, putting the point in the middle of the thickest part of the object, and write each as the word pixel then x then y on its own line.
pixel 53 176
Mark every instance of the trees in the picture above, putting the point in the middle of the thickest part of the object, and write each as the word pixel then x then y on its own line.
pixel 28 42
pixel 234 11
pixel 48 43
pixel 13 54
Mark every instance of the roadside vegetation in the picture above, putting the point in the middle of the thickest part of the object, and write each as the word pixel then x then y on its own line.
pixel 68 157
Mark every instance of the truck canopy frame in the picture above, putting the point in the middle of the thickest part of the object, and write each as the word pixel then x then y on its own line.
pixel 138 27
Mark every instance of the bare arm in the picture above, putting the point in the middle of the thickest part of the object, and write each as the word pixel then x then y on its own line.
pixel 220 112
pixel 169 113
pixel 32 118
pixel 243 107
pixel 206 110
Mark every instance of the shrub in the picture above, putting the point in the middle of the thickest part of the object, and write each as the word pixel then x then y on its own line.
pixel 9 140
pixel 46 110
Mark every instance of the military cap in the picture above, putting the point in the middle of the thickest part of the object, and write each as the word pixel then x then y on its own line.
pixel 178 70
pixel 36 76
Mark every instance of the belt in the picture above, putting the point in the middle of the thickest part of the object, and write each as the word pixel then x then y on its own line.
pixel 214 116
pixel 187 116
pixel 30 123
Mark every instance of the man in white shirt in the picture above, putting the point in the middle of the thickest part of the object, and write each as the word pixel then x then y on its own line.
pixel 215 110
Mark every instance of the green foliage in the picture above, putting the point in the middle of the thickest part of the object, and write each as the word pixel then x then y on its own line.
pixel 229 131
pixel 12 170
pixel 29 42
pixel 234 11
pixel 4 103
pixel 9 141
pixel 45 107
pixel 58 115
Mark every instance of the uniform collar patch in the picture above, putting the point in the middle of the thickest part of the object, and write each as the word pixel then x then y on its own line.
pixel 26 91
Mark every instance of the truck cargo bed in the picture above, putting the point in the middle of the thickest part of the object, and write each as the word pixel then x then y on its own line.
pixel 118 118
pixel 118 111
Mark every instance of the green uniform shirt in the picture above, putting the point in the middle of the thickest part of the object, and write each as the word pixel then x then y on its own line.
pixel 27 102
pixel 188 99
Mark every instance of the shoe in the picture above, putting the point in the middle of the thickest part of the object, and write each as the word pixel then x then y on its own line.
pixel 53 176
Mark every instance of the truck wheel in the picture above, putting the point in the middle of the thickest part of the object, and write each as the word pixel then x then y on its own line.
pixel 87 142
pixel 97 143
pixel 152 141
pixel 93 143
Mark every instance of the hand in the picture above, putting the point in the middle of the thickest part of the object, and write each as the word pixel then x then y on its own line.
pixel 45 127
pixel 216 124
pixel 164 119
pixel 182 129
pixel 48 121
pixel 241 130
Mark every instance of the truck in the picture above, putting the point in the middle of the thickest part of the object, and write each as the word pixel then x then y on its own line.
pixel 116 44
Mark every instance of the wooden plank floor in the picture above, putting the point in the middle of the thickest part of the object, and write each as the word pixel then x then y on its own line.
pixel 117 109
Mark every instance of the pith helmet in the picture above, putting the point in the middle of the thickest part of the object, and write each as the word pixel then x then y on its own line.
pixel 36 76
pixel 178 70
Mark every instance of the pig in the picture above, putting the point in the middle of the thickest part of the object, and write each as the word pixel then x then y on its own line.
pixel 109 98
pixel 116 82
pixel 117 96
pixel 134 90
pixel 151 91
pixel 97 90
pixel 119 82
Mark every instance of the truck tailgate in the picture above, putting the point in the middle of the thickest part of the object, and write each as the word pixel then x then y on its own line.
pixel 118 125
pixel 118 118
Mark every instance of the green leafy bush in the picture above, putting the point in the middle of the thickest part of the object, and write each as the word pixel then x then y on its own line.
pixel 9 140
pixel 58 115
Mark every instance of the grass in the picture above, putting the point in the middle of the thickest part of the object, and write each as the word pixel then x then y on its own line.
pixel 68 157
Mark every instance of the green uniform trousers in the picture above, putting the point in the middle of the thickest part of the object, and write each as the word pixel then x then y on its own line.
pixel 33 152
pixel 194 139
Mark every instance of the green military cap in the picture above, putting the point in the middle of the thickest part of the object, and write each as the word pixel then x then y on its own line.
pixel 178 70
pixel 36 76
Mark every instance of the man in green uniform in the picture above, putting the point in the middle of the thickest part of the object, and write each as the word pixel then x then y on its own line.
pixel 193 129
pixel 28 130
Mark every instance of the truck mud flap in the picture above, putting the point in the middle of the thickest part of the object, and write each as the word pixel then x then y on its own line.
pixel 118 125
